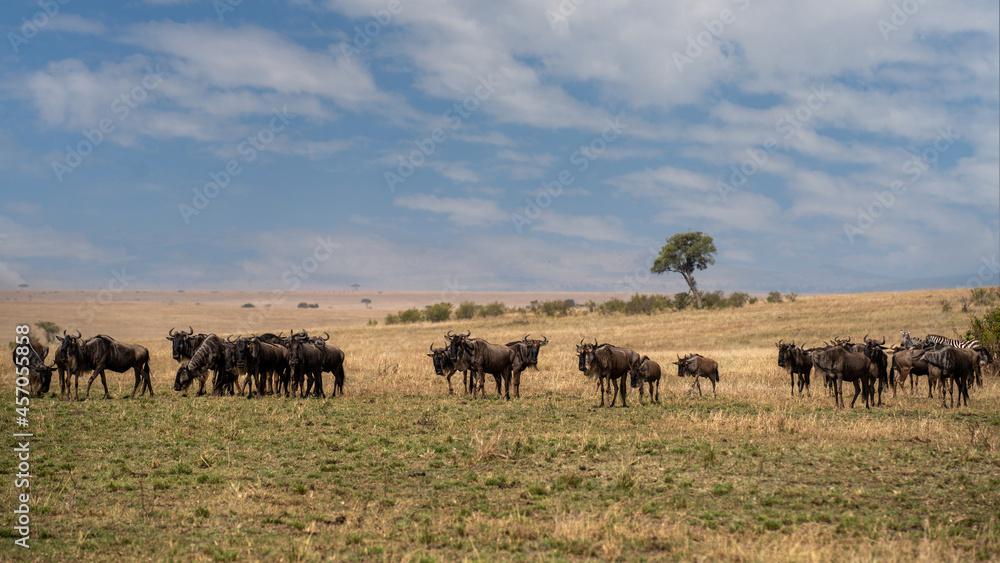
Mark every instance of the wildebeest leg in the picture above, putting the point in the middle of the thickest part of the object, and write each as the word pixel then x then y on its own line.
pixel 515 378
pixel 697 382
pixel 623 383
pixel 791 375
pixel 657 390
pixel 99 372
pixel 448 379
pixel 858 389
pixel 838 392
pixel 641 386
pixel 138 380
pixel 713 380
pixel 614 397
pixel 600 383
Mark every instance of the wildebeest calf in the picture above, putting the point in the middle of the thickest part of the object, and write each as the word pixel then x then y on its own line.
pixel 647 372
pixel 698 366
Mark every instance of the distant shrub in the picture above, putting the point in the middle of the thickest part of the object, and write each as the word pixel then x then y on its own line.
pixel 555 308
pixel 774 297
pixel 372 322
pixel 404 317
pixel 984 296
pixel 945 306
pixel 437 313
pixel 683 300
pixel 986 329
pixel 247 306
pixel 791 297
pixel 713 300
pixel 495 309
pixel 613 305
pixel 466 310
pixel 571 302
pixel 738 299
pixel 753 300
pixel 305 305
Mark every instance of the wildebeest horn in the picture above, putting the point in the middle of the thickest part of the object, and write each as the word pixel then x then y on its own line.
pixel 449 335
pixel 545 339
pixel 432 346
pixel 190 330
pixel 171 332
pixel 229 339
pixel 848 340
pixel 780 340
pixel 581 342
pixel 468 333
pixel 526 337
pixel 327 336
pixel 78 333
pixel 866 338
pixel 595 343
pixel 883 341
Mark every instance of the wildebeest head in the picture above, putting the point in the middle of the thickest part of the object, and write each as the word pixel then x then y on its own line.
pixel 534 345
pixel 639 372
pixel 784 352
pixel 69 349
pixel 456 343
pixel 586 354
pixel 240 352
pixel 688 365
pixel 441 359
pixel 179 345
pixel 183 378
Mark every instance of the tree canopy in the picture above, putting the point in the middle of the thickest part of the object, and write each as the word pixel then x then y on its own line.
pixel 684 253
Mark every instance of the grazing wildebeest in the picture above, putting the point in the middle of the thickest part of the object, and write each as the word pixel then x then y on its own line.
pixel 607 363
pixel 102 353
pixel 494 359
pixel 210 355
pixel 33 361
pixel 795 360
pixel 525 356
pixel 955 366
pixel 698 366
pixel 844 365
pixel 647 372
pixel 445 367
pixel 305 361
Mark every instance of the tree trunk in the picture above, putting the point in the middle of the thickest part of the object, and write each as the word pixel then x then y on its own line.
pixel 694 289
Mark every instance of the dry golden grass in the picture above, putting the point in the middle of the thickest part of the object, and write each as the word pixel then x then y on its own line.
pixel 752 475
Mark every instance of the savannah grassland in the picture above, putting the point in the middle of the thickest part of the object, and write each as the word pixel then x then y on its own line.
pixel 398 470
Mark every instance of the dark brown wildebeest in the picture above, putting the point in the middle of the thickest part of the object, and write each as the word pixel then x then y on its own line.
pixel 263 361
pixel 183 344
pixel 461 360
pixel 32 363
pixel 102 353
pixel 607 363
pixel 525 356
pixel 445 367
pixel 210 355
pixel 484 357
pixel 647 372
pixel 305 361
pixel 333 362
pixel 955 366
pixel 875 351
pixel 844 365
pixel 796 362
pixel 698 366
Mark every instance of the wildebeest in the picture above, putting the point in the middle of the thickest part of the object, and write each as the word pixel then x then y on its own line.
pixel 494 359
pixel 647 372
pixel 183 344
pixel 333 362
pixel 844 365
pixel 607 363
pixel 210 355
pixel 33 363
pixel 875 351
pixel 445 367
pixel 698 366
pixel 102 353
pixel 305 362
pixel 461 360
pixel 905 366
pixel 955 366
pixel 525 356
pixel 797 362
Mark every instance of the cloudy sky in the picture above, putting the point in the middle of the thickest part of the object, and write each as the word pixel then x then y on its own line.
pixel 509 145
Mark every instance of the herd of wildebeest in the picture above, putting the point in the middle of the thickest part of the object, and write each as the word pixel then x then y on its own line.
pixel 293 365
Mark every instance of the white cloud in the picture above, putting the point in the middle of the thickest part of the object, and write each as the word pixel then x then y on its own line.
pixel 590 227
pixel 74 23
pixel 464 212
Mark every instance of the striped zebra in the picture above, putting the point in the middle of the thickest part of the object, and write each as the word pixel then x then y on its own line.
pixel 945 341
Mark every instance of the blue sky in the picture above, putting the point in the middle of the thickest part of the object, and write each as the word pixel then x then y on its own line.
pixel 511 145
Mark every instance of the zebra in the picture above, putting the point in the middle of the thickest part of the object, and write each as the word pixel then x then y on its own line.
pixel 945 341
pixel 908 342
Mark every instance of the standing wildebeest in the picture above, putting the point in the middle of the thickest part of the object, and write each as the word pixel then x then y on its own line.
pixel 333 362
pixel 262 361
pixel 875 351
pixel 955 366
pixel 494 359
pixel 39 374
pixel 210 355
pixel 795 360
pixel 647 372
pixel 610 363
pixel 183 344
pixel 102 353
pixel 305 362
pixel 462 361
pixel 844 365
pixel 445 367
pixel 904 365
pixel 698 366
pixel 525 356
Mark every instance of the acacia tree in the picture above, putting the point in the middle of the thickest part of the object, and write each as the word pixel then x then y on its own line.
pixel 684 253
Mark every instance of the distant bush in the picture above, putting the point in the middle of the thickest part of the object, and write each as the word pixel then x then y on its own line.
pixel 986 329
pixel 640 304
pixel 555 308
pixel 404 317
pixel 305 305
pixel 984 296
pixel 791 297
pixel 466 310
pixel 438 312
pixel 495 309
pixel 372 322
pixel 738 299
pixel 247 306
pixel 753 300
pixel 945 306
pixel 713 300
pixel 50 328
pixel 683 300
pixel 774 297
